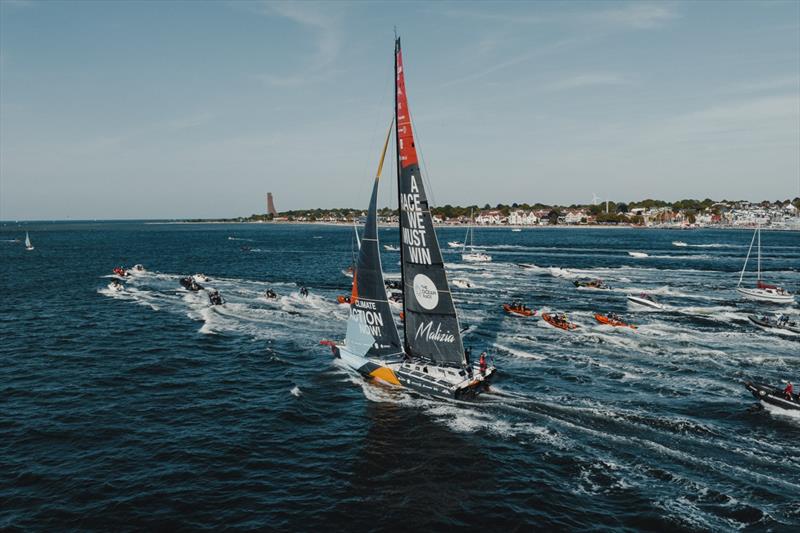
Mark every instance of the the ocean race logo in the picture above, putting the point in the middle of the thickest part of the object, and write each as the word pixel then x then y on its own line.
pixel 426 331
pixel 425 292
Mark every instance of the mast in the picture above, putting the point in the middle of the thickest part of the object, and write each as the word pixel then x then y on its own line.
pixel 746 259
pixel 397 165
pixel 758 230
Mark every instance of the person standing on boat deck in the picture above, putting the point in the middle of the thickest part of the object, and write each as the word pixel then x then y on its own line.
pixel 788 391
pixel 482 363
pixel 467 355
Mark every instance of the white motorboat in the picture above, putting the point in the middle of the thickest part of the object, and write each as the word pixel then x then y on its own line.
pixel 638 254
pixel 390 248
pixel 461 283
pixel 201 277
pixel 679 243
pixel 455 244
pixel 645 300
pixel 762 292
pixel 116 286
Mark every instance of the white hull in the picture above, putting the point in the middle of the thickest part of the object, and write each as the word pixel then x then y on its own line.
pixel 679 243
pixel 476 258
pixel 645 302
pixel 455 244
pixel 461 283
pixel 29 248
pixel 766 295
pixel 638 254
pixel 421 377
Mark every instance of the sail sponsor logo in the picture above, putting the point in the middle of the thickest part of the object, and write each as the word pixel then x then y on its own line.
pixel 415 236
pixel 425 292
pixel 370 322
pixel 426 331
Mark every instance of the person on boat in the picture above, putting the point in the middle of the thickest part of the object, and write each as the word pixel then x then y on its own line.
pixel 467 356
pixel 482 363
pixel 788 391
pixel 303 291
pixel 270 294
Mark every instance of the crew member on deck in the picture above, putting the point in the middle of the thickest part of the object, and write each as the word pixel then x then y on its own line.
pixel 788 391
pixel 482 363
pixel 467 354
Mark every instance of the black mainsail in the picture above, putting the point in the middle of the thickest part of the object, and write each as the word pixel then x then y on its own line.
pixel 431 326
pixel 371 331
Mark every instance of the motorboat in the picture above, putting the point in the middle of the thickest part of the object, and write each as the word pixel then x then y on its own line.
pixel 269 294
pixel 190 284
pixel 390 248
pixel 121 272
pixel 137 269
pixel 343 299
pixel 611 319
pixel 461 283
pixel 395 284
pixel 201 277
pixel 762 292
pixel 638 255
pixel 349 271
pixel 518 309
pixel 596 284
pixel 781 322
pixel 559 320
pixel 645 300
pixel 516 230
pixel 773 396
pixel 679 243
pixel 116 286
pixel 215 297
pixel 455 244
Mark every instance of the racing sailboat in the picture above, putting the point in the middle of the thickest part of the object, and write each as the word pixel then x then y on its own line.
pixel 28 245
pixel 762 291
pixel 430 358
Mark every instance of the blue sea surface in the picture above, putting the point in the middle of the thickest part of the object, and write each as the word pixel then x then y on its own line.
pixel 150 409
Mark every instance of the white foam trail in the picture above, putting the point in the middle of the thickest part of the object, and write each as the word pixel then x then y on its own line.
pixel 295 391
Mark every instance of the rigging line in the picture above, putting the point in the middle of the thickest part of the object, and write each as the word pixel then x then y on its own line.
pixel 425 177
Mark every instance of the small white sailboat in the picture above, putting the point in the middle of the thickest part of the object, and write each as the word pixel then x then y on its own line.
pixel 28 245
pixel 762 292
pixel 390 248
pixel 638 255
pixel 475 256
pixel 455 244
pixel 516 230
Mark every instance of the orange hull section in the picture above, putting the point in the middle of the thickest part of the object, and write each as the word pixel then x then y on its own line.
pixel 516 311
pixel 566 326
pixel 611 322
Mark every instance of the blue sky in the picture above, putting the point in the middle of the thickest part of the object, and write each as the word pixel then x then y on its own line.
pixel 197 109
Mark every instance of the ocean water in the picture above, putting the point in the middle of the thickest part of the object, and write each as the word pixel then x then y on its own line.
pixel 150 409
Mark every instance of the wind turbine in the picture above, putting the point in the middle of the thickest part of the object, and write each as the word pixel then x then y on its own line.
pixel 596 199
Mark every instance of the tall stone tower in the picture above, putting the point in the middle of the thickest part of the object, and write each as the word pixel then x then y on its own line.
pixel 271 205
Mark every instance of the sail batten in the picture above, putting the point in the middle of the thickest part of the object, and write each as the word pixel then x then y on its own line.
pixel 431 325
